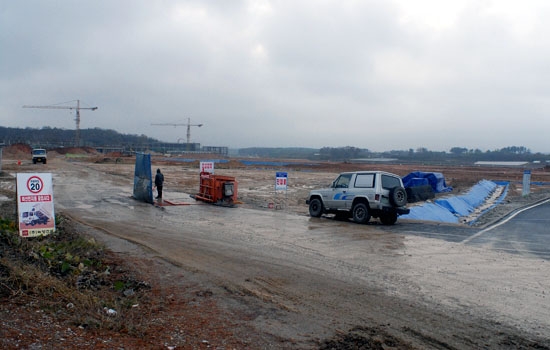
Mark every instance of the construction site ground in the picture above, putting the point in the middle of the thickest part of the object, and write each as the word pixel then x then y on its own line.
pixel 264 275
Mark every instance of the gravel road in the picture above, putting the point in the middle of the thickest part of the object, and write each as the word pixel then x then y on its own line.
pixel 302 282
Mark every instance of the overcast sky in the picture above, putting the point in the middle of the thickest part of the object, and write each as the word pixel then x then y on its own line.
pixel 382 75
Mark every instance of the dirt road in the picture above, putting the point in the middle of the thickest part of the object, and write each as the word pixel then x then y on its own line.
pixel 300 282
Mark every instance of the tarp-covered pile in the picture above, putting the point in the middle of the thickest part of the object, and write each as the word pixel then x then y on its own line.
pixel 450 209
pixel 420 178
pixel 464 204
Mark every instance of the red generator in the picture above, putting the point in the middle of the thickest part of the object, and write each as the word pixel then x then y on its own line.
pixel 217 189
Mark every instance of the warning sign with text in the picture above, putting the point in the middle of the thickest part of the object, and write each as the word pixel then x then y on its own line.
pixel 207 167
pixel 35 204
pixel 281 181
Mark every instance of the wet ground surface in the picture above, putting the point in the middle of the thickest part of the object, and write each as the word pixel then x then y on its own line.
pixel 525 232
pixel 301 280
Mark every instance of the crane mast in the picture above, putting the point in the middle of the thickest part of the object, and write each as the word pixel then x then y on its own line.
pixel 77 108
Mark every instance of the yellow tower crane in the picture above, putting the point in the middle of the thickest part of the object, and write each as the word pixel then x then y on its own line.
pixel 77 108
pixel 188 124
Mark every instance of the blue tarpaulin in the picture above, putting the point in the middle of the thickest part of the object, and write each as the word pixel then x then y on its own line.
pixel 420 178
pixel 450 209
pixel 455 205
pixel 464 204
pixel 143 184
pixel 431 212
pixel 477 194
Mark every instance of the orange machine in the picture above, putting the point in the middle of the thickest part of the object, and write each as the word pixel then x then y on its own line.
pixel 217 189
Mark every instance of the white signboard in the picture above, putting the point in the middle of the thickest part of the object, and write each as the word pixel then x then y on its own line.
pixel 207 167
pixel 35 204
pixel 281 181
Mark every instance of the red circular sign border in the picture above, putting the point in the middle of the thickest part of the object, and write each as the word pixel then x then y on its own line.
pixel 41 184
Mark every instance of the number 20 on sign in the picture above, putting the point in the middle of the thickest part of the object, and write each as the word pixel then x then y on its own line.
pixel 35 184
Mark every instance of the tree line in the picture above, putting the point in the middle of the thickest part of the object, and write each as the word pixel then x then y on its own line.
pixel 422 154
pixel 56 137
pixel 97 137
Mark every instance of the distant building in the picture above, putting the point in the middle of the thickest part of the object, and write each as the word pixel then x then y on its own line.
pixel 496 163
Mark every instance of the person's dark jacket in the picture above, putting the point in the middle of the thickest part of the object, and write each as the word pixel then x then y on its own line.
pixel 159 179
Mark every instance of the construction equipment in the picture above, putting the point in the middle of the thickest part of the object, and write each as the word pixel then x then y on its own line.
pixel 217 189
pixel 39 155
pixel 77 118
pixel 189 125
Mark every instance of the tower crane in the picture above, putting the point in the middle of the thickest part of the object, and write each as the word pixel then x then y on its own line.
pixel 188 124
pixel 77 108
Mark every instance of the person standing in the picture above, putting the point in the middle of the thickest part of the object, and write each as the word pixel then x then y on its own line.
pixel 159 182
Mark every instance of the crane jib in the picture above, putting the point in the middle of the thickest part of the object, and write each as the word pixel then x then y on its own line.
pixel 77 118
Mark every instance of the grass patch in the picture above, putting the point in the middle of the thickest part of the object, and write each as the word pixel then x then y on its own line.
pixel 72 277
pixel 76 155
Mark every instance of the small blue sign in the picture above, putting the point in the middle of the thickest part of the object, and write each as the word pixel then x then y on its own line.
pixel 281 180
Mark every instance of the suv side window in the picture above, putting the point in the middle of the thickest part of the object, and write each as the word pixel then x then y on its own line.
pixel 342 181
pixel 364 180
pixel 389 182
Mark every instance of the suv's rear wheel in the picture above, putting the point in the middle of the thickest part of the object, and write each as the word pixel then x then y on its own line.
pixel 361 213
pixel 315 208
pixel 398 196
pixel 388 218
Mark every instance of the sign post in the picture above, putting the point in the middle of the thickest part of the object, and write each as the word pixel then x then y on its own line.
pixel 281 183
pixel 35 204
pixel 526 182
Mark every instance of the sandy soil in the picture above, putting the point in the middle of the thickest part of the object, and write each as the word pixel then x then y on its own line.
pixel 279 279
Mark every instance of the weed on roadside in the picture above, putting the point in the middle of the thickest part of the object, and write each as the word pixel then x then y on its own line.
pixel 71 277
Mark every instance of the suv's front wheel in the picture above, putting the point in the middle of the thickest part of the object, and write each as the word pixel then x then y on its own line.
pixel 361 213
pixel 315 208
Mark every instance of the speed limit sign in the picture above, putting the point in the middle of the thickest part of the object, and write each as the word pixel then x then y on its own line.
pixel 35 184
pixel 35 204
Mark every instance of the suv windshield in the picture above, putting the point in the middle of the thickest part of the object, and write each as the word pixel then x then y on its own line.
pixel 39 151
pixel 342 181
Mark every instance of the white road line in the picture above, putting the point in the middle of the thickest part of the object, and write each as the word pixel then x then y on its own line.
pixel 426 233
pixel 503 221
pixel 532 252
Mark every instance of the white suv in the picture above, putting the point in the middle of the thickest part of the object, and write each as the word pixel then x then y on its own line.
pixel 361 195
